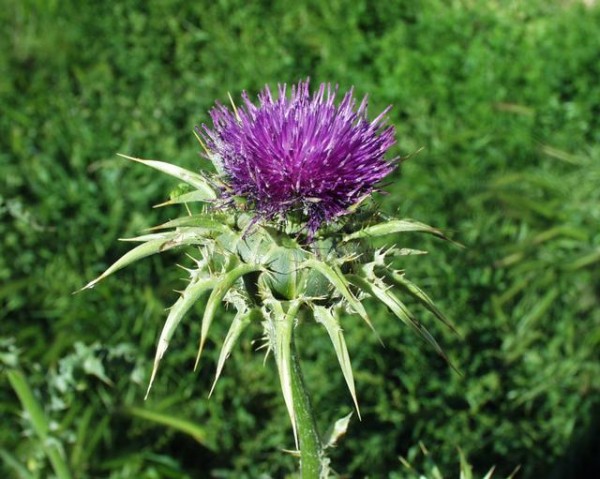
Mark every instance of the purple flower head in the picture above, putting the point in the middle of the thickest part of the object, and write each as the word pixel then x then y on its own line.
pixel 300 154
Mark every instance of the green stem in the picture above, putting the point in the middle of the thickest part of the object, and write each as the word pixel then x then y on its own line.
pixel 311 453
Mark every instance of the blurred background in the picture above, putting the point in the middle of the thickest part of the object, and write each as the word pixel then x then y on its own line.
pixel 504 99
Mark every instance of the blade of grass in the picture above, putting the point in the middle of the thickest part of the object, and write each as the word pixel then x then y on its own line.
pixel 39 422
pixel 187 427
pixel 13 464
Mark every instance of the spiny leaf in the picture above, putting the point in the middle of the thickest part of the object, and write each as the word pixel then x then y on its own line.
pixel 225 282
pixel 392 227
pixel 189 177
pixel 408 252
pixel 198 221
pixel 241 320
pixel 191 197
pixel 466 471
pixel 338 280
pixel 420 295
pixel 197 287
pixel 388 298
pixel 279 326
pixel 146 249
pixel 165 236
pixel 331 323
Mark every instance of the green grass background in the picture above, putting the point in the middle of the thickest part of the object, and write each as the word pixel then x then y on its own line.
pixel 504 99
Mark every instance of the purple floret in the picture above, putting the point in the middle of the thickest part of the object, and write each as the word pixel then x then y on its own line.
pixel 300 154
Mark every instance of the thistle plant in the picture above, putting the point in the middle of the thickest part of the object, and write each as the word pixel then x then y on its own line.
pixel 283 232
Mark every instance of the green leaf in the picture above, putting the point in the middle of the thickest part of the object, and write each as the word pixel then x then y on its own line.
pixel 39 423
pixel 490 473
pixel 223 285
pixel 166 241
pixel 387 297
pixel 164 236
pixel 191 197
pixel 198 221
pixel 190 295
pixel 241 320
pixel 401 280
pixel 407 252
pixel 338 280
pixel 84 448
pixel 584 261
pixel 189 177
pixel 187 427
pixel 279 327
pixel 331 323
pixel 466 470
pixel 12 463
pixel 392 227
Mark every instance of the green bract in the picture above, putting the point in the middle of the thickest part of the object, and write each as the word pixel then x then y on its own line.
pixel 268 274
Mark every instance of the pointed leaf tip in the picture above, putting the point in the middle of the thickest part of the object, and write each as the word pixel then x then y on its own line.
pixel 151 246
pixel 224 283
pixel 194 179
pixel 331 323
pixel 239 323
pixel 401 280
pixel 397 226
pixel 195 289
pixel 381 292
pixel 279 326
pixel 335 276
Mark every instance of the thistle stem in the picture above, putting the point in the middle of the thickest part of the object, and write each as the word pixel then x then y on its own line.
pixel 311 452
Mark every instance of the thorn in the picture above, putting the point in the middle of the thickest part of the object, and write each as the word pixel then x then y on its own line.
pixel 200 349
pixel 293 452
pixel 235 111
pixel 132 158
pixel 206 150
pixel 213 387
pixel 185 268
pixel 90 285
pixel 165 203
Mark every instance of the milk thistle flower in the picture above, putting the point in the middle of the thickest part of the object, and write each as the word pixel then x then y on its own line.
pixel 303 154
pixel 281 235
